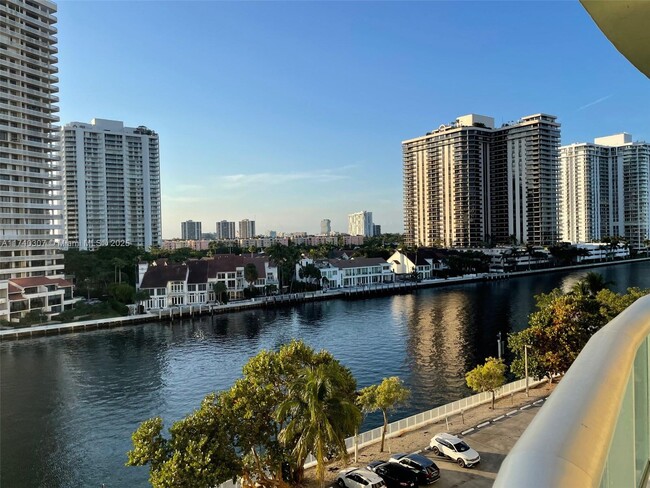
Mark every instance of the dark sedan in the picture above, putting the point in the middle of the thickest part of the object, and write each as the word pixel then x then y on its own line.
pixel 395 475
pixel 426 470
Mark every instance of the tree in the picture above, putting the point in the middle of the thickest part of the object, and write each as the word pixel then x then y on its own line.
pixel 237 433
pixel 285 258
pixel 321 415
pixel 386 396
pixel 119 264
pixel 611 304
pixel 592 283
pixel 250 274
pixel 122 292
pixel 200 451
pixel 557 332
pixel 220 292
pixel 310 273
pixel 141 296
pixel 487 377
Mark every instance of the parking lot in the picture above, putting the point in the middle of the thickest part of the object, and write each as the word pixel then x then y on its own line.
pixel 493 442
pixel 493 439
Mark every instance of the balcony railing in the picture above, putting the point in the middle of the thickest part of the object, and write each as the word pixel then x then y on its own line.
pixel 594 431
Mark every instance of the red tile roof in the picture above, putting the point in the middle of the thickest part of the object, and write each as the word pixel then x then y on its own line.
pixel 39 281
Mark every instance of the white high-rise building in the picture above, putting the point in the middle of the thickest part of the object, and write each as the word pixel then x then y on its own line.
pixel 325 227
pixel 111 185
pixel 246 229
pixel 605 190
pixel 469 183
pixel 190 230
pixel 360 224
pixel 31 217
pixel 225 230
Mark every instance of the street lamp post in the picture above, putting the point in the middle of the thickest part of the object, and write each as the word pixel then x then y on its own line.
pixel 526 366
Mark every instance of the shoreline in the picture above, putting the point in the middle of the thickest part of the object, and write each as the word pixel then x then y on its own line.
pixel 292 299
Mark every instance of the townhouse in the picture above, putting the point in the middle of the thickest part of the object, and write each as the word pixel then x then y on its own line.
pixel 192 282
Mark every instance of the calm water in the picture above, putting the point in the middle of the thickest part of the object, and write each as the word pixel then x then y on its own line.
pixel 68 404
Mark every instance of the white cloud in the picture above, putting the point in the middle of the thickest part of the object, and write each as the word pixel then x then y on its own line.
pixel 242 180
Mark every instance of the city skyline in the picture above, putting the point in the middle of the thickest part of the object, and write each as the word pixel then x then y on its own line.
pixel 290 117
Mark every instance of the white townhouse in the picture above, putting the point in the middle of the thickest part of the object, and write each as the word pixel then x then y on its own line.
pixel 364 271
pixel 348 273
pixel 425 261
pixel 191 283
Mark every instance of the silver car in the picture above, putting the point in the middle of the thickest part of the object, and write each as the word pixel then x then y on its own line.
pixel 359 478
pixel 452 447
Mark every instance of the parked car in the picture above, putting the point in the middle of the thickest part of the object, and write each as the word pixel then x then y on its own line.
pixel 425 469
pixel 452 447
pixel 394 474
pixel 359 478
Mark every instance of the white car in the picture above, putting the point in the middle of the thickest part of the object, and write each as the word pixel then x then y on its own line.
pixel 359 478
pixel 452 447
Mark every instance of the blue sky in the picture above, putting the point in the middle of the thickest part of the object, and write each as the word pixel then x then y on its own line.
pixel 291 112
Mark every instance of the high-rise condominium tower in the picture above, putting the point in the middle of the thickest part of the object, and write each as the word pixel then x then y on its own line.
pixel 111 185
pixel 360 224
pixel 326 227
pixel 469 183
pixel 191 230
pixel 225 230
pixel 246 229
pixel 605 190
pixel 31 221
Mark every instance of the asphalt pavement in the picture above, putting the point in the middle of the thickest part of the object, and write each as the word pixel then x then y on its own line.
pixel 493 439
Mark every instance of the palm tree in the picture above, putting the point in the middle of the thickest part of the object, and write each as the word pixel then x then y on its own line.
pixel 320 413
pixel 250 275
pixel 595 282
pixel 118 264
pixel 591 284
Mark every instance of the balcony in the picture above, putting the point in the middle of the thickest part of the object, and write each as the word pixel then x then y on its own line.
pixel 594 431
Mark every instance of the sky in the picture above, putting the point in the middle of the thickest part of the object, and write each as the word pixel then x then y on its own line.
pixel 288 113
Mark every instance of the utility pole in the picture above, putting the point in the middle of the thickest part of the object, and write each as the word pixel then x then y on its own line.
pixel 499 344
pixel 526 366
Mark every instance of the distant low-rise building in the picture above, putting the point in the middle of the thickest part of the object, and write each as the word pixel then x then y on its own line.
pixel 195 245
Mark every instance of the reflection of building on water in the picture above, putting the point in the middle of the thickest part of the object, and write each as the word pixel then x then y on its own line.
pixel 436 342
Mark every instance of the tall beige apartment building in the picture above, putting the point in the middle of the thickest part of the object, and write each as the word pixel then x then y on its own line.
pixel 31 220
pixel 468 183
pixel 605 190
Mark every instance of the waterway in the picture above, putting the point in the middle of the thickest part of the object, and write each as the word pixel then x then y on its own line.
pixel 69 403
